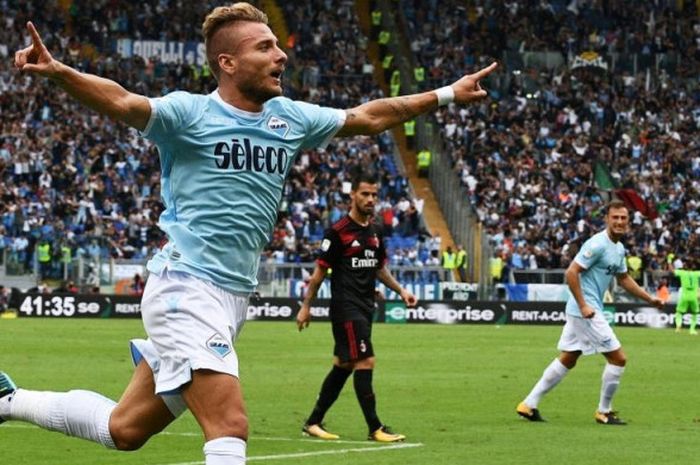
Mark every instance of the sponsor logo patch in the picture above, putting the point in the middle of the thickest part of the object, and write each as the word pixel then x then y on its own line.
pixel 355 243
pixel 219 345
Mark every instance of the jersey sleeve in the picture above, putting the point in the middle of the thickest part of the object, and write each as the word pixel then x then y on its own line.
pixel 171 113
pixel 320 124
pixel 330 246
pixel 589 254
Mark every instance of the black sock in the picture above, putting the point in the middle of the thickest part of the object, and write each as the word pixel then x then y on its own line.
pixel 330 390
pixel 365 396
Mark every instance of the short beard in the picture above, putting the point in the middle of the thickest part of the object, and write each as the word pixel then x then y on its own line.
pixel 259 94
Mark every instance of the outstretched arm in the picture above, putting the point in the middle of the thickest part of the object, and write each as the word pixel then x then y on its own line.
pixel 102 95
pixel 378 115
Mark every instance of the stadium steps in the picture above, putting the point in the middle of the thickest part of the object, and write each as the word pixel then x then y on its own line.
pixel 432 213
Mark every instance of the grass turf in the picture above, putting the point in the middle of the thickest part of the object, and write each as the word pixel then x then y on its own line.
pixel 451 389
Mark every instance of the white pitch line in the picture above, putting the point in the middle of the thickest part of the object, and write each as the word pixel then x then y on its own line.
pixel 322 452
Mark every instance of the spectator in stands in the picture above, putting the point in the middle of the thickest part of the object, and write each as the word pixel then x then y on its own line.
pixel 44 259
pixel 496 266
pixel 4 298
pixel 449 262
pixel 423 159
pixel 461 263
pixel 66 287
pixel 662 291
pixel 137 285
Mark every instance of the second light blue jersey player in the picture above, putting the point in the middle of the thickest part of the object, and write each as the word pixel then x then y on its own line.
pixel 213 156
pixel 602 260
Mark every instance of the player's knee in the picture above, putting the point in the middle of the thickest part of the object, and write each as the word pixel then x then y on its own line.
pixel 618 359
pixel 127 437
pixel 365 364
pixel 569 359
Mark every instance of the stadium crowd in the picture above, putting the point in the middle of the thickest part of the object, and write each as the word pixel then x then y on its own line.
pixel 87 186
pixel 527 156
pixel 533 159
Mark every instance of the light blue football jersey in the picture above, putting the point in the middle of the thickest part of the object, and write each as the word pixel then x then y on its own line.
pixel 602 259
pixel 222 174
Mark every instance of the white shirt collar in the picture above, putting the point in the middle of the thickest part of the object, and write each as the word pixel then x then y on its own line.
pixel 235 110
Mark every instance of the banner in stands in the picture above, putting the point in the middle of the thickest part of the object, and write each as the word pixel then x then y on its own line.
pixel 389 311
pixel 191 52
pixel 589 59
pixel 459 291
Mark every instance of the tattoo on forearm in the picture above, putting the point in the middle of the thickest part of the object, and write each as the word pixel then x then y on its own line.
pixel 400 108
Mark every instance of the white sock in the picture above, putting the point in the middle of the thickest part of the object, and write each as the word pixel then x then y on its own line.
pixel 83 414
pixel 225 451
pixel 552 375
pixel 611 381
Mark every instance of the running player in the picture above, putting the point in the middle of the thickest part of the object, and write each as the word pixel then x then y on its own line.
pixel 224 159
pixel 354 250
pixel 586 331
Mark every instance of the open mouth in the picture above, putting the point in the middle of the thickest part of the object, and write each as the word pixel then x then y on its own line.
pixel 277 74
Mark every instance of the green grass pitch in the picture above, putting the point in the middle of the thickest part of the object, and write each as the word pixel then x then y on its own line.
pixel 451 389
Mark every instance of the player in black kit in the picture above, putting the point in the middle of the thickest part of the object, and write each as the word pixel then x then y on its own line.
pixel 353 249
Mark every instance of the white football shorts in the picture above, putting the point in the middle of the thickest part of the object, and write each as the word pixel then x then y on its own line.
pixel 191 325
pixel 589 335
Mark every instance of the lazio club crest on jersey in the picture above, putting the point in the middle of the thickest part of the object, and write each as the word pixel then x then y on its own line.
pixel 278 126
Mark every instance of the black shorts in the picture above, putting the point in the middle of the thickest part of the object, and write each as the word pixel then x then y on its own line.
pixel 353 340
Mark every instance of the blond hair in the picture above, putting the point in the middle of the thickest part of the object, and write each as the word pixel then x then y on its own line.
pixel 222 16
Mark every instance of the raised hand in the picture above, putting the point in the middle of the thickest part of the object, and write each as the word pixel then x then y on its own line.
pixel 36 58
pixel 467 89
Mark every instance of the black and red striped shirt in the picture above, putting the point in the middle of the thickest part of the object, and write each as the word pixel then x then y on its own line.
pixel 354 253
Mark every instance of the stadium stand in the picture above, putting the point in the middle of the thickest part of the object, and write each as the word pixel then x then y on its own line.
pixel 539 161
